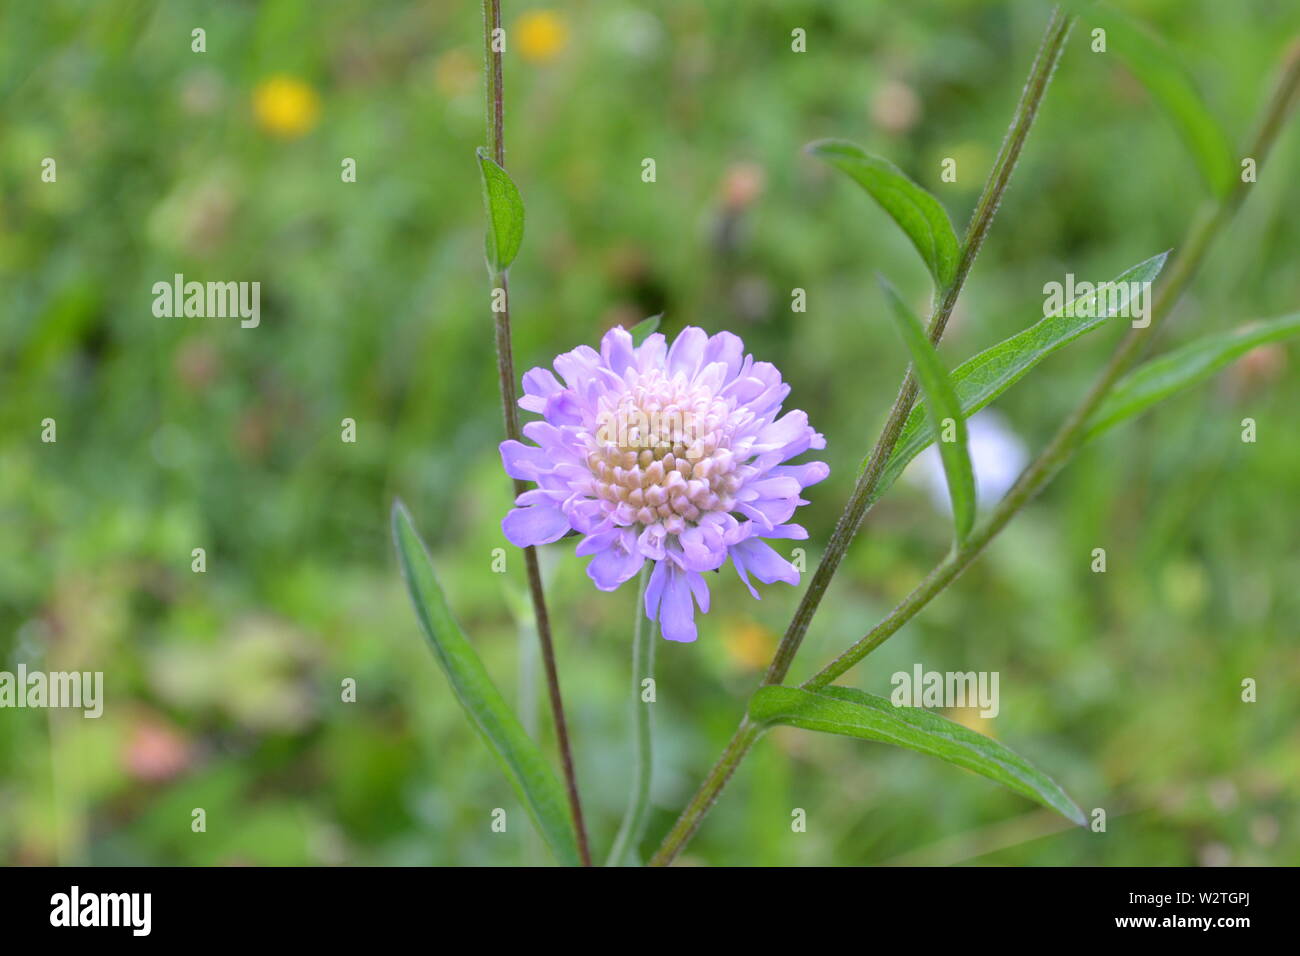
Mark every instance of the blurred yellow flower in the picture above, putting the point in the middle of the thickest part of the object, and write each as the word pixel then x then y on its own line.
pixel 285 106
pixel 748 643
pixel 541 35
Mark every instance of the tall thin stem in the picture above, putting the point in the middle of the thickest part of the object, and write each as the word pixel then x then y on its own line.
pixel 1073 431
pixel 1040 77
pixel 510 413
pixel 643 665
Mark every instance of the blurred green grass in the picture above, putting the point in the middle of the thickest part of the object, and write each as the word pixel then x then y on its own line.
pixel 223 688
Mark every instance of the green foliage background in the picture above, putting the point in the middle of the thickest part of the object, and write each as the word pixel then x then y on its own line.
pixel 223 688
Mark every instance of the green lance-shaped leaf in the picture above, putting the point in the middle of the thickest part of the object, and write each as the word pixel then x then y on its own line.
pixel 983 377
pixel 1192 363
pixel 917 212
pixel 505 214
pixel 519 756
pixel 1169 84
pixel 945 413
pixel 855 713
pixel 645 328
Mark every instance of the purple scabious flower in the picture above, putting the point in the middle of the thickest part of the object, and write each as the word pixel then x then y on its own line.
pixel 671 455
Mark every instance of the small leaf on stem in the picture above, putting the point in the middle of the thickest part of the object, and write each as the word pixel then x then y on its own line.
pixel 917 212
pixel 945 413
pixel 983 377
pixel 519 756
pixel 505 213
pixel 1162 376
pixel 855 713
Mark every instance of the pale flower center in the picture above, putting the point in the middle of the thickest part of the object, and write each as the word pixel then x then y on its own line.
pixel 661 453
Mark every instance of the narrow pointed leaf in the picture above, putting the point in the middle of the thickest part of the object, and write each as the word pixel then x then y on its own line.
pixel 982 378
pixel 505 214
pixel 942 404
pixel 855 713
pixel 645 328
pixel 1195 362
pixel 1170 85
pixel 917 212
pixel 519 756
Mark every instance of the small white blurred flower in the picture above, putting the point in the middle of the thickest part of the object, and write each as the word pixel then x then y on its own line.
pixel 997 457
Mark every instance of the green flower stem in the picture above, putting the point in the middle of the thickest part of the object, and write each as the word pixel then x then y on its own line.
pixel 1072 432
pixel 643 665
pixel 1040 76
pixel 1204 230
pixel 707 794
pixel 510 413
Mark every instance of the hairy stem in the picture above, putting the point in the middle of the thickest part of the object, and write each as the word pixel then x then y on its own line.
pixel 1040 76
pixel 1066 441
pixel 643 665
pixel 510 413
pixel 1072 433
